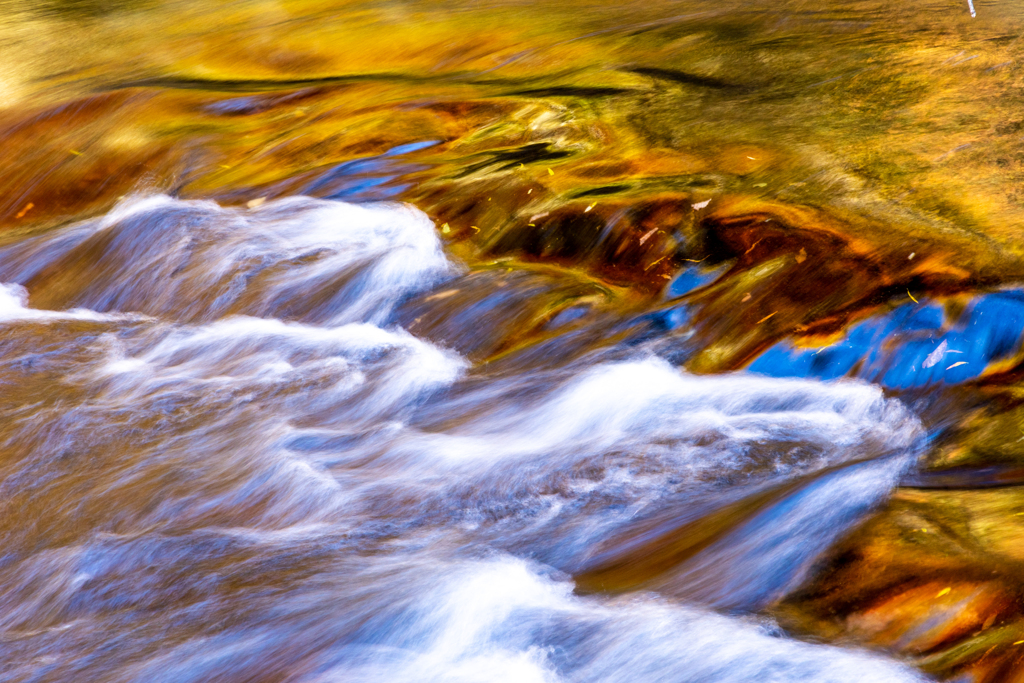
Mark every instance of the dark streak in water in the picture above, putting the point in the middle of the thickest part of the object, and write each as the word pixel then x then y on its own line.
pixel 966 478
pixel 509 158
pixel 685 78
pixel 602 191
pixel 572 91
pixel 272 84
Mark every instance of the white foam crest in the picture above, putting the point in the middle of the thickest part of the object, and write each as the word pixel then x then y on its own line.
pixel 139 204
pixel 399 239
pixel 191 261
pixel 501 620
pixel 254 350
pixel 14 307
pixel 387 251
pixel 617 404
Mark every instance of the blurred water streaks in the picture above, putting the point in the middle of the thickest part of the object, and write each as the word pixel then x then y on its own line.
pixel 251 436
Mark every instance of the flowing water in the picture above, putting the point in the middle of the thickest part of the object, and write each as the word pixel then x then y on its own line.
pixel 224 459
pixel 505 342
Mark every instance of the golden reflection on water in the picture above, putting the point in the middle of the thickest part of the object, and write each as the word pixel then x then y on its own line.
pixel 835 160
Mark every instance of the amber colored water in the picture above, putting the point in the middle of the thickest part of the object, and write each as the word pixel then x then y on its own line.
pixel 511 341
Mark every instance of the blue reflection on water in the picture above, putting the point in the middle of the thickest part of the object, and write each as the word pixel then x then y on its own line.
pixel 685 282
pixel 694 278
pixel 911 346
pixel 369 178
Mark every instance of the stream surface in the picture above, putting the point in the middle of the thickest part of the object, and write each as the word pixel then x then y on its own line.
pixel 511 341
pixel 224 459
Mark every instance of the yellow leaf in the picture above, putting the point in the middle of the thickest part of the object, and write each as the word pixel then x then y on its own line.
pixel 963 362
pixel 654 263
pixel 766 317
pixel 944 591
pixel 550 172
pixel 445 229
pixel 911 296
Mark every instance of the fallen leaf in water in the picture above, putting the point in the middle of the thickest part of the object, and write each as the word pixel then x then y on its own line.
pixel 746 297
pixel 647 236
pixel 700 205
pixel 944 591
pixel 911 296
pixel 963 362
pixel 654 263
pixel 253 203
pixel 802 256
pixel 550 172
pixel 935 356
pixel 442 295
pixel 28 207
pixel 445 229
pixel 766 317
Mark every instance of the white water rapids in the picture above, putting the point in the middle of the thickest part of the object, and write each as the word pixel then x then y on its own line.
pixel 222 459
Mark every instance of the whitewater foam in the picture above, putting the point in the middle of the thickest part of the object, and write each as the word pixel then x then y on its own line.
pixel 500 620
pixel 262 475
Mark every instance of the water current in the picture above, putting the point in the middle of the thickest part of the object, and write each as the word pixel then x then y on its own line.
pixel 503 340
pixel 261 475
